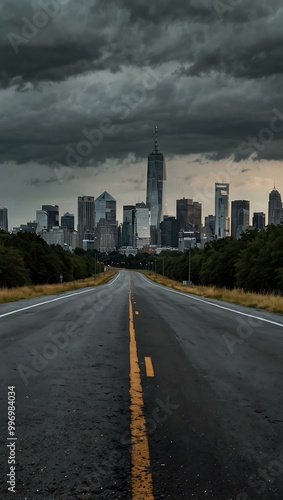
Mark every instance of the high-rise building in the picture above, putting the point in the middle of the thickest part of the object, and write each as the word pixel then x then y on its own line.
pixel 170 228
pixel 155 190
pixel 221 210
pixel 54 236
pixel 119 235
pixel 105 208
pixel 275 211
pixel 105 236
pixel 209 226
pixel 188 212
pixel 42 220
pixel 4 218
pixel 52 214
pixel 259 220
pixel 240 217
pixel 86 218
pixel 128 225
pixel 142 226
pixel 68 221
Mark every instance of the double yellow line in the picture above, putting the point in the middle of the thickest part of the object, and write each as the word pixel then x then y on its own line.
pixel 141 477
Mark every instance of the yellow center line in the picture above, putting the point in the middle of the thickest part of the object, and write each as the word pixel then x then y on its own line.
pixel 149 367
pixel 141 477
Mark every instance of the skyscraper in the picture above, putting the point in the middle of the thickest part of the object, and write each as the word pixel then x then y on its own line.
pixel 142 226
pixel 170 228
pixel 68 221
pixel 221 210
pixel 259 220
pixel 53 215
pixel 42 220
pixel 240 217
pixel 155 190
pixel 86 218
pixel 188 212
pixel 105 236
pixel 209 226
pixel 4 218
pixel 275 211
pixel 105 208
pixel 128 225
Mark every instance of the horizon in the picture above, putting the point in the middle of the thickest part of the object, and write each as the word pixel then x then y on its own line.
pixel 78 111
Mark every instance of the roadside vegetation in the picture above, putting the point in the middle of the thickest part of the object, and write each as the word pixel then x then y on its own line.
pixel 29 292
pixel 26 259
pixel 267 301
pixel 31 268
pixel 247 271
pixel 254 263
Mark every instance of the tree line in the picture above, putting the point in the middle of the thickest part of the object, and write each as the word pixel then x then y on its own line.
pixel 254 262
pixel 26 259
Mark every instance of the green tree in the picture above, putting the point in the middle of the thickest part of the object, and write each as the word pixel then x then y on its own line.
pixel 12 268
pixel 260 263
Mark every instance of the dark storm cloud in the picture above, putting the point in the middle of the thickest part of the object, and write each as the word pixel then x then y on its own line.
pixel 41 182
pixel 71 38
pixel 209 77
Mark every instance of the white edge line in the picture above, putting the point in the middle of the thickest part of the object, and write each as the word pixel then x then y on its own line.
pixel 90 289
pixel 212 303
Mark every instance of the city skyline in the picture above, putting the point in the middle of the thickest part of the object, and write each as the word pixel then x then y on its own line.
pixel 87 119
pixel 199 186
pixel 190 189
pixel 212 203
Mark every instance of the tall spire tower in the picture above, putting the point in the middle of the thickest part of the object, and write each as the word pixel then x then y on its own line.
pixel 155 194
pixel 155 139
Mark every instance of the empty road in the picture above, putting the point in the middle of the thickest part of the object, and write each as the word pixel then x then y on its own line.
pixel 134 391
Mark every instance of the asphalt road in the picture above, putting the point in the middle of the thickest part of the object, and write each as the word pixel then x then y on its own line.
pixel 135 391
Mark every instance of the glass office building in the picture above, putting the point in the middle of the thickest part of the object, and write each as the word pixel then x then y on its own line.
pixel 155 193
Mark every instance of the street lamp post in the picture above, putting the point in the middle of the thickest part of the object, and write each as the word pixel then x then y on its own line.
pixel 189 271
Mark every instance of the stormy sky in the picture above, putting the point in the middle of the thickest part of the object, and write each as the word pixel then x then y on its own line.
pixel 83 83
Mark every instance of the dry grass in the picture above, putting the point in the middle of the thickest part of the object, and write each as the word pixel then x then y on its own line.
pixel 28 292
pixel 271 303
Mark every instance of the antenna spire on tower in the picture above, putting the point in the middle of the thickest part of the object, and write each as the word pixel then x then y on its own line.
pixel 155 139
